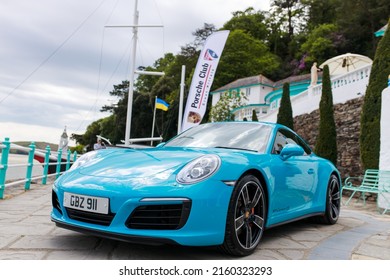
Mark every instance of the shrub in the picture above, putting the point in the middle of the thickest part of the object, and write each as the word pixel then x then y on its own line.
pixel 285 115
pixel 371 112
pixel 326 144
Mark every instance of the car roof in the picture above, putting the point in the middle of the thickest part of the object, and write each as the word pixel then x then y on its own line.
pixel 275 125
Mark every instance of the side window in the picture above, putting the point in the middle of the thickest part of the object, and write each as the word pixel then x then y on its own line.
pixel 284 137
pixel 305 147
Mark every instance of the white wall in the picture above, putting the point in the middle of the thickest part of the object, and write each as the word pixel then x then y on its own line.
pixel 215 98
pixel 344 87
pixel 384 156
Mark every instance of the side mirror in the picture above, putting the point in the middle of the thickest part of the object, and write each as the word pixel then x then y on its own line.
pixel 160 145
pixel 291 150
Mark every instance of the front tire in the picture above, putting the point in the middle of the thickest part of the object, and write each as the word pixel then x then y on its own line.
pixel 246 217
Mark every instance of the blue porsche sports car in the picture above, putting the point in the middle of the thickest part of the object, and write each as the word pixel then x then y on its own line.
pixel 215 184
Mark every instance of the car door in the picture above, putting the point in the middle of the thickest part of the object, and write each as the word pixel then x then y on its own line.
pixel 293 179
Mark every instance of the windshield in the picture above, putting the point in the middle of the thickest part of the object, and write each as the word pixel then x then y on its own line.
pixel 231 135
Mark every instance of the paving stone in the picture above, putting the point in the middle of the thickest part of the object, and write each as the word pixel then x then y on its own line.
pixel 22 206
pixel 309 235
pixel 6 240
pixel 11 217
pixel 343 244
pixel 26 229
pixel 293 254
pixel 380 240
pixel 309 244
pixel 344 241
pixel 333 228
pixel 55 242
pixel 26 232
pixel 328 228
pixel 22 255
pixel 74 255
pixel 264 254
pixel 44 211
pixel 57 231
pixel 350 222
pixel 129 251
pixel 281 243
pixel 37 220
pixel 362 257
pixel 322 253
pixel 374 251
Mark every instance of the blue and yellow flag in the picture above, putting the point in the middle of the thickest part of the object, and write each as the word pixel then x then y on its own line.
pixel 161 104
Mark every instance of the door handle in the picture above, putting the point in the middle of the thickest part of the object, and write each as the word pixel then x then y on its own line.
pixel 310 171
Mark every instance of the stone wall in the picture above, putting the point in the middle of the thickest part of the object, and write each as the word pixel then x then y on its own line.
pixel 347 118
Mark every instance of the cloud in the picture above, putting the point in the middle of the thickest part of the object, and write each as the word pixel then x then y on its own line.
pixel 59 61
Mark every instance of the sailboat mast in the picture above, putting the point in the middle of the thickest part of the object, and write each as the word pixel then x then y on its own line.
pixel 132 72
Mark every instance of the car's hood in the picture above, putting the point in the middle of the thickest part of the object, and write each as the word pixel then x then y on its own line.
pixel 130 163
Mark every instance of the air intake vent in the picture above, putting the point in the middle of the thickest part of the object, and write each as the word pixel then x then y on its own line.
pixel 88 217
pixel 55 201
pixel 162 217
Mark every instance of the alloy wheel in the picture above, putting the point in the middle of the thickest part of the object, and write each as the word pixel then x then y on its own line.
pixel 249 215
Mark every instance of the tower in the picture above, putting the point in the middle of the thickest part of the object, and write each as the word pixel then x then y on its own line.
pixel 63 142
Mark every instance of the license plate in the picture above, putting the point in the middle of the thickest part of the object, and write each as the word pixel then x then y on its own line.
pixel 86 203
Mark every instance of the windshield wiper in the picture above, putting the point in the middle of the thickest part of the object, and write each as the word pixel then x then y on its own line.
pixel 235 148
pixel 185 137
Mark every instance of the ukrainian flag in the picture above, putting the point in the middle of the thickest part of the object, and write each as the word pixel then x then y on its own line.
pixel 161 104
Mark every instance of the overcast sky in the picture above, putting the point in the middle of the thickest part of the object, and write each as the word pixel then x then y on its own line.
pixel 58 62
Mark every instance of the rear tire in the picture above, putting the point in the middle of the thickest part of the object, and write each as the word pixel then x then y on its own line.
pixel 332 211
pixel 246 217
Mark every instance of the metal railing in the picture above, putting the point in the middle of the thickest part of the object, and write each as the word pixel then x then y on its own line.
pixel 344 87
pixel 49 158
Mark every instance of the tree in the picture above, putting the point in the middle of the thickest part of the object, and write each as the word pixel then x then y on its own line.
pixel 144 83
pixel 326 145
pixel 250 21
pixel 359 19
pixel 222 110
pixel 320 12
pixel 285 114
pixel 322 43
pixel 267 43
pixel 106 128
pixel 371 112
pixel 254 116
pixel 201 34
pixel 163 89
pixel 244 56
pixel 289 12
pixel 89 137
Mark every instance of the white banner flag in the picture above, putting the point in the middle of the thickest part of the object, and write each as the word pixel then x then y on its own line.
pixel 203 79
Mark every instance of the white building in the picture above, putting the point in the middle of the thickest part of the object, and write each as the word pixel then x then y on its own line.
pixel 263 95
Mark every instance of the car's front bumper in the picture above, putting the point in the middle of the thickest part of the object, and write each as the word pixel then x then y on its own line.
pixel 115 236
pixel 205 224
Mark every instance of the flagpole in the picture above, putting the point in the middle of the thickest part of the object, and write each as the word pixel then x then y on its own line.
pixel 182 84
pixel 131 80
pixel 154 119
pixel 133 71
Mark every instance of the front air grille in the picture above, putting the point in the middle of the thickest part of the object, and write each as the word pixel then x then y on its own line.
pixel 162 217
pixel 55 202
pixel 91 218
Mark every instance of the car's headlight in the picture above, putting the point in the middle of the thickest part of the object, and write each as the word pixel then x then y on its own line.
pixel 199 169
pixel 84 159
